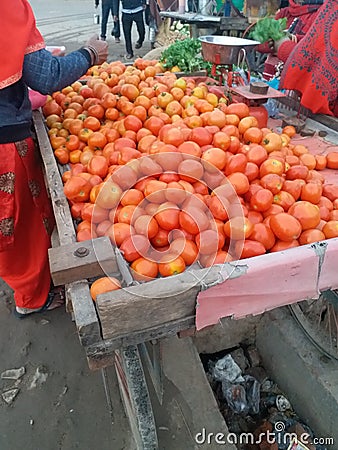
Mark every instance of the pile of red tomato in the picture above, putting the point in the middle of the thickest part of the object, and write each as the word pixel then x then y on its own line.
pixel 174 175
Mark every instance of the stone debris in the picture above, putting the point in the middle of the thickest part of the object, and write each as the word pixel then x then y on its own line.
pixel 25 348
pixel 10 395
pixel 39 378
pixel 253 356
pixel 240 359
pixel 63 393
pixel 31 422
pixel 13 374
pixel 282 403
pixel 44 322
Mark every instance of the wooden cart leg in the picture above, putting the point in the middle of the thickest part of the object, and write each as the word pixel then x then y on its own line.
pixel 151 354
pixel 135 396
pixel 107 392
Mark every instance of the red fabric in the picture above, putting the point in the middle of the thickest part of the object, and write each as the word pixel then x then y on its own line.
pixel 312 68
pixel 306 15
pixel 285 49
pixel 25 216
pixel 19 36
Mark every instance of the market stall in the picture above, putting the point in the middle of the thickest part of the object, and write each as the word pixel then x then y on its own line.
pixel 114 328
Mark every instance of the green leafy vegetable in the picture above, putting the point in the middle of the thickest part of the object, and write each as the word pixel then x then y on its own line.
pixel 185 54
pixel 268 28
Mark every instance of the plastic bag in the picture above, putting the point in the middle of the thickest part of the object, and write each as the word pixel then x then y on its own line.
pixel 225 369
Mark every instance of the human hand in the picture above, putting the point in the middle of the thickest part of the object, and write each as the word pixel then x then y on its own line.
pixel 116 18
pixel 280 41
pixel 99 49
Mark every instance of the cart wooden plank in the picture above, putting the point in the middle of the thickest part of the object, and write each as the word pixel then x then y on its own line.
pixel 101 354
pixel 85 315
pixel 147 305
pixel 81 260
pixel 60 204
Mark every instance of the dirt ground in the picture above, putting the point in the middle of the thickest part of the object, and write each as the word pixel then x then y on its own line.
pixel 64 407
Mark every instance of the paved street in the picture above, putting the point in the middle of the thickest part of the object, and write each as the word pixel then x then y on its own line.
pixel 71 23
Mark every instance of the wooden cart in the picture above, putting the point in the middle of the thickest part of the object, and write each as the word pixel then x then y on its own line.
pixel 129 323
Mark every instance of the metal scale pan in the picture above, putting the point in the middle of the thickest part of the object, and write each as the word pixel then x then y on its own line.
pixel 224 50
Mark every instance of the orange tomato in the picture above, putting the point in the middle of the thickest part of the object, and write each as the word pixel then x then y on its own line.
pixel 285 227
pixel 134 247
pixel 144 269
pixel 171 265
pixel 185 248
pixel 102 285
pixel 330 229
pixel 307 214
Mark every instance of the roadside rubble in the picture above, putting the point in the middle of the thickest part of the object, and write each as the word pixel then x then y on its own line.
pixel 252 404
pixel 12 382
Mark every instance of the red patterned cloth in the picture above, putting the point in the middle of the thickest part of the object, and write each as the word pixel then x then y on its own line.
pixel 312 67
pixel 26 221
pixel 306 14
pixel 26 217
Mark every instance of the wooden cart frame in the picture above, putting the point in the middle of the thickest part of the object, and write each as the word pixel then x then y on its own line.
pixel 124 328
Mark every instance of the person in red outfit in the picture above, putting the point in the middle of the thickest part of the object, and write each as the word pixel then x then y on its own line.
pixel 312 67
pixel 300 14
pixel 26 217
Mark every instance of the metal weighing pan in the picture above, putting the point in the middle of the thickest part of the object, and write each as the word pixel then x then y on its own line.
pixel 224 49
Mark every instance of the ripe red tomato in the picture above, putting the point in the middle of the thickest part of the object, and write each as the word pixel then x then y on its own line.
pixel 273 182
pixel 330 229
pixel 250 248
pixel 144 269
pixel 261 200
pixel 171 264
pixel 161 238
pixel 209 242
pixel 285 227
pixel 307 214
pixel 236 163
pixel 146 225
pixel 77 189
pixel 167 216
pixel 262 233
pixel 193 220
pixel 134 247
pixel 185 248
pixel 283 245
pixel 284 199
pixel 238 228
pixel 310 236
pixel 109 195
pixel 311 192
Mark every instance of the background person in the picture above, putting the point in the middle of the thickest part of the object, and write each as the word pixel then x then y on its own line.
pixel 312 67
pixel 113 7
pixel 300 14
pixel 132 11
pixel 26 218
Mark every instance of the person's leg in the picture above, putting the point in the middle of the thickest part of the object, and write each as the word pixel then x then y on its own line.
pixel 116 30
pixel 105 15
pixel 24 264
pixel 138 18
pixel 115 10
pixel 127 22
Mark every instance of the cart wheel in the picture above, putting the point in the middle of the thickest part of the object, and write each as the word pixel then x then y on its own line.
pixel 319 321
pixel 135 396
